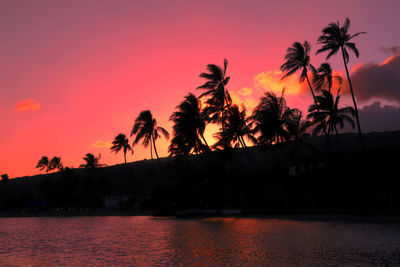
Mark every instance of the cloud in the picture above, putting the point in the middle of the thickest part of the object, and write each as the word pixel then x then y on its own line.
pixel 27 105
pixel 379 80
pixel 376 117
pixel 271 81
pixel 101 144
pixel 392 50
pixel 356 67
pixel 296 93
pixel 245 91
pixel 250 101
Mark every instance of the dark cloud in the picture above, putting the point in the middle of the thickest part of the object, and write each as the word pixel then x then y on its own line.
pixel 391 50
pixel 376 117
pixel 378 80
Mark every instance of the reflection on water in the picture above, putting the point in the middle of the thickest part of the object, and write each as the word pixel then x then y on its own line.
pixel 143 241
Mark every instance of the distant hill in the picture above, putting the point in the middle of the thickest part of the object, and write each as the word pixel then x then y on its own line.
pixel 292 176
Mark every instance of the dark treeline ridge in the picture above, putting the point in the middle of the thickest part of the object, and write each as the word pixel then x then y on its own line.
pixel 283 178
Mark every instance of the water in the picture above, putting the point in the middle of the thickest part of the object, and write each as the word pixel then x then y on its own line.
pixel 144 241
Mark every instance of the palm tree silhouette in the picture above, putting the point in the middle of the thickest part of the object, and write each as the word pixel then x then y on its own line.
pixel 296 127
pixel 220 102
pixel 334 38
pixel 219 99
pixel 189 125
pixel 323 77
pixel 55 163
pixel 330 114
pixel 145 127
pixel 270 117
pixel 43 164
pixel 216 81
pixel 236 126
pixel 121 142
pixel 297 58
pixel 92 161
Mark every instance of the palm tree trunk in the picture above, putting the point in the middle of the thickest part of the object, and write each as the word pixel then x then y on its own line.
pixel 229 108
pixel 155 149
pixel 315 102
pixel 312 92
pixel 202 137
pixel 240 142
pixel 151 148
pixel 354 99
pixel 242 139
pixel 336 131
pixel 125 156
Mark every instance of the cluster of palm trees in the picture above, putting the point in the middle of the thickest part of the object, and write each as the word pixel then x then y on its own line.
pixel 48 165
pixel 92 162
pixel 271 121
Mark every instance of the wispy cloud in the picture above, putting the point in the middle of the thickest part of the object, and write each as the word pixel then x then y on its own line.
pixel 101 144
pixel 391 50
pixel 27 105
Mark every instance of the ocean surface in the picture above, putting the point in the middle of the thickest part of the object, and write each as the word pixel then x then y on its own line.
pixel 149 241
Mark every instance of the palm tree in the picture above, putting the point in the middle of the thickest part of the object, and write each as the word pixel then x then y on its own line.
pixel 334 38
pixel 214 87
pixel 121 142
pixel 92 161
pixel 330 114
pixel 296 127
pixel 145 127
pixel 43 164
pixel 297 58
pixel 220 101
pixel 189 125
pixel 270 117
pixel 55 163
pixel 4 178
pixel 236 126
pixel 323 77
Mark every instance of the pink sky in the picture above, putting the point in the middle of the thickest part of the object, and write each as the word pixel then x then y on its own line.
pixel 77 73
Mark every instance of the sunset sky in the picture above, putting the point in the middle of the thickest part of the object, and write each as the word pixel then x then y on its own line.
pixel 74 74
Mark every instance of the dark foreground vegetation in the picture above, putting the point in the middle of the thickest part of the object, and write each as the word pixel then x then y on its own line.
pixel 303 177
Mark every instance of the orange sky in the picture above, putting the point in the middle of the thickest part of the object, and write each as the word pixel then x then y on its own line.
pixel 74 74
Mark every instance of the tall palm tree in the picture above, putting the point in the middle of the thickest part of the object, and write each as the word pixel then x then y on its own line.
pixel 43 164
pixel 330 115
pixel 145 127
pixel 270 117
pixel 121 142
pixel 215 87
pixel 55 163
pixel 335 38
pixel 297 58
pixel 236 126
pixel 92 162
pixel 323 77
pixel 220 102
pixel 189 125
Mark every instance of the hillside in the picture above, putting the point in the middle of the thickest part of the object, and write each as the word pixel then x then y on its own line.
pixel 308 176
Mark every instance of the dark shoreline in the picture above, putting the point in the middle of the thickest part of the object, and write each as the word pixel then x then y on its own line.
pixel 300 216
